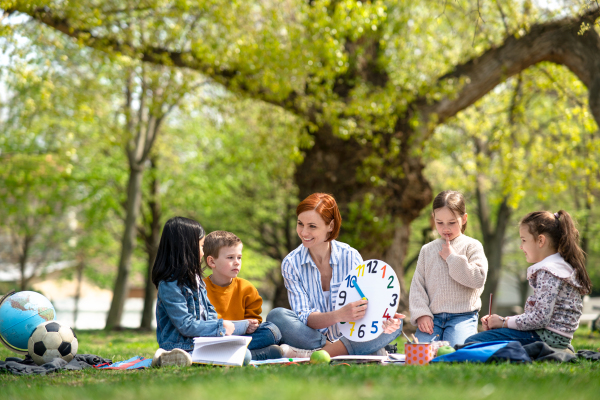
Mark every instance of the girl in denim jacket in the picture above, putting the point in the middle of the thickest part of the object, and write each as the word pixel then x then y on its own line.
pixel 183 310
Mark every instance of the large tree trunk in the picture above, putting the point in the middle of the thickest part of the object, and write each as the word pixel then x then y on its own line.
pixel 493 252
pixel 151 242
pixel 585 230
pixel 333 165
pixel 150 290
pixel 523 289
pixel 395 255
pixel 143 128
pixel 134 196
pixel 23 257
pixel 280 296
pixel 80 267
pixel 493 243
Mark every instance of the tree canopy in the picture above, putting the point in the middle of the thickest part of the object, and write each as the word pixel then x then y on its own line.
pixel 364 87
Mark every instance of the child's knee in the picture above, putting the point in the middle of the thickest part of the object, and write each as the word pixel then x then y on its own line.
pixel 274 330
pixel 278 315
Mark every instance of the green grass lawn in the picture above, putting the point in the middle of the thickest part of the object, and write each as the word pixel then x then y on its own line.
pixel 548 381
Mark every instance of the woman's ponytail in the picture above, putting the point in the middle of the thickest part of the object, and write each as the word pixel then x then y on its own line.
pixel 568 247
pixel 561 230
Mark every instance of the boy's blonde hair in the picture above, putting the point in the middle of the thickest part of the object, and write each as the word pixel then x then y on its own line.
pixel 216 240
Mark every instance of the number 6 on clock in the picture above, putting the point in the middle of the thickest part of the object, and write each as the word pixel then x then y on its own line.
pixel 377 280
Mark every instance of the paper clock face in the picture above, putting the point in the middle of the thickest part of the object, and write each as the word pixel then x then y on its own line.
pixel 379 284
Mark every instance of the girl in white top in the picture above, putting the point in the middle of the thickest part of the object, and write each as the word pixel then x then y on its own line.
pixel 559 280
pixel 445 292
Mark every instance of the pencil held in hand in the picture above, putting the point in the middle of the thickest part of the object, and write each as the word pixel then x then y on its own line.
pixel 490 310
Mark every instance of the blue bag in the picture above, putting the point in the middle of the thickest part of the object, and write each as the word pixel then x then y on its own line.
pixel 487 352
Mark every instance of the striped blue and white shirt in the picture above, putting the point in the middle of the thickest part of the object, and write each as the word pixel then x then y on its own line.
pixel 303 281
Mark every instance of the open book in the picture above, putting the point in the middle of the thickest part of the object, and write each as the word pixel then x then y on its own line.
pixel 358 359
pixel 226 350
pixel 334 360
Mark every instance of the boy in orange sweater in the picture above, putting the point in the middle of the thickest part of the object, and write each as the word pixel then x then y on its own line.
pixel 235 299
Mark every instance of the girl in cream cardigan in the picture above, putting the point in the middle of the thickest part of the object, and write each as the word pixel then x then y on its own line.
pixel 447 285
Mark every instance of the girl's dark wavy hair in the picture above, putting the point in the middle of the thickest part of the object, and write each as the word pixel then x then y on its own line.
pixel 178 257
pixel 564 236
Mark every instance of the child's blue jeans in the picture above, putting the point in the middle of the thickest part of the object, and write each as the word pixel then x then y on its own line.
pixel 523 337
pixel 453 328
pixel 265 335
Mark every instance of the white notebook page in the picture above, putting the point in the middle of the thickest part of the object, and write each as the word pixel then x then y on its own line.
pixel 228 350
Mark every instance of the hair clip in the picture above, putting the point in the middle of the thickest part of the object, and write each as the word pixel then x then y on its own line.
pixel 556 215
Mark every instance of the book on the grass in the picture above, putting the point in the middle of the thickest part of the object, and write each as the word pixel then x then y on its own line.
pixel 280 361
pixel 395 358
pixel 336 360
pixel 226 350
pixel 358 359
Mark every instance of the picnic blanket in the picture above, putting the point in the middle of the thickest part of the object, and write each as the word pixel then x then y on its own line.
pixel 514 352
pixel 133 363
pixel 540 351
pixel 27 366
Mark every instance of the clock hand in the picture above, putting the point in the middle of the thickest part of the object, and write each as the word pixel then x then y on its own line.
pixel 362 295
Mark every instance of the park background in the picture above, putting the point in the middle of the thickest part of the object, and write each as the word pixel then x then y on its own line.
pixel 116 116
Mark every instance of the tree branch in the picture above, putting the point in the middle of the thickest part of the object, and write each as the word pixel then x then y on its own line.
pixel 555 41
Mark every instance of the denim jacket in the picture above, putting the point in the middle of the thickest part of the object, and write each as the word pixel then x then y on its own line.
pixel 182 314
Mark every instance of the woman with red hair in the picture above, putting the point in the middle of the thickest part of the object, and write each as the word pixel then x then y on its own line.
pixel 313 274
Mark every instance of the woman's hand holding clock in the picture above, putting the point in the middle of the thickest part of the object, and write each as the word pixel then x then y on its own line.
pixel 352 311
pixel 392 324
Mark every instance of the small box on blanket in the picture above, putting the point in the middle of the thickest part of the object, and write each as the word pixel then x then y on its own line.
pixel 418 353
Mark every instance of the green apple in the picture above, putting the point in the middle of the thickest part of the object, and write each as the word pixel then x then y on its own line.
pixel 247 358
pixel 320 357
pixel 442 351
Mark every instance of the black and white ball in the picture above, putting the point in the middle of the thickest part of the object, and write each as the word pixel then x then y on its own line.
pixel 52 340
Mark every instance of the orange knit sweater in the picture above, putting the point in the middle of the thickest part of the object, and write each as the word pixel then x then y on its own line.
pixel 240 300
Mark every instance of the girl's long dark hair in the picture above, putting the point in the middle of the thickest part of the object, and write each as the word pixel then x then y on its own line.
pixel 564 237
pixel 178 257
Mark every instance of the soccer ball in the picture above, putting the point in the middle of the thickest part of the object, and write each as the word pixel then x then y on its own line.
pixel 52 340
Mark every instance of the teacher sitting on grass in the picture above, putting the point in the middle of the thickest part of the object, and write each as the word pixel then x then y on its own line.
pixel 313 274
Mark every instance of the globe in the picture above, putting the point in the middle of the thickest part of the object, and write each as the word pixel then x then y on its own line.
pixel 20 314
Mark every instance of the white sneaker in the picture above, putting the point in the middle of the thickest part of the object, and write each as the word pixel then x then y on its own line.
pixel 174 357
pixel 292 352
pixel 156 358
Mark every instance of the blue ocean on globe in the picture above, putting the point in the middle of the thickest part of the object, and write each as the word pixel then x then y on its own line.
pixel 20 314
